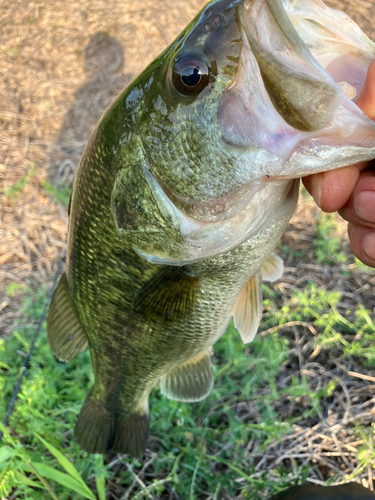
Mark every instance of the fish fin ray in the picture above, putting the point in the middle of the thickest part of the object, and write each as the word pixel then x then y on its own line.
pixel 169 295
pixel 272 268
pixel 95 426
pixel 100 429
pixel 247 311
pixel 65 332
pixel 131 434
pixel 192 381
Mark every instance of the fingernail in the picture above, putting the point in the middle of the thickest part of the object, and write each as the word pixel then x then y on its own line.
pixel 364 205
pixel 316 190
pixel 369 246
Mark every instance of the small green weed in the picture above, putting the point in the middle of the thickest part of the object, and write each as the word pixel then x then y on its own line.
pixel 60 194
pixel 13 288
pixel 13 52
pixel 327 244
pixel 19 186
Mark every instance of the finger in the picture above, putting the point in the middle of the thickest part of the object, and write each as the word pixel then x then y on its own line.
pixel 332 190
pixel 360 209
pixel 362 243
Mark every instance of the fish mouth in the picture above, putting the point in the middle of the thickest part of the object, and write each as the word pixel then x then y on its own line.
pixel 302 66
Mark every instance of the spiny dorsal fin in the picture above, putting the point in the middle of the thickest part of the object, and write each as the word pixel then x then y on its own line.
pixel 170 294
pixel 248 309
pixel 272 268
pixel 66 335
pixel 192 381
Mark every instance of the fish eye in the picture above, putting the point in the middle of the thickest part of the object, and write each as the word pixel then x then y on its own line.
pixel 190 76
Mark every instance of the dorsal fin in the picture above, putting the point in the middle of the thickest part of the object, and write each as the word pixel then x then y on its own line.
pixel 248 309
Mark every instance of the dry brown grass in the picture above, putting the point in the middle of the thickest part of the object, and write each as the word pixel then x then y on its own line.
pixel 61 64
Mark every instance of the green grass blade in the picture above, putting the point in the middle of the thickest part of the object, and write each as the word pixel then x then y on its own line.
pixel 100 486
pixel 6 434
pixel 21 479
pixel 100 474
pixel 59 477
pixel 63 461
pixel 5 453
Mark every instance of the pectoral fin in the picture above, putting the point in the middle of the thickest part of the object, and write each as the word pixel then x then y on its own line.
pixel 272 268
pixel 248 309
pixel 170 294
pixel 191 381
pixel 66 335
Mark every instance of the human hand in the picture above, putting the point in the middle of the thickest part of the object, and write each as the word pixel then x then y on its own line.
pixel 351 190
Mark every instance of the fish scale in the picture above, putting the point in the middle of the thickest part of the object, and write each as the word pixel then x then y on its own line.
pixel 182 193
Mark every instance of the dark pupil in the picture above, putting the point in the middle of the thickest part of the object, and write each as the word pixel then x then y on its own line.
pixel 191 76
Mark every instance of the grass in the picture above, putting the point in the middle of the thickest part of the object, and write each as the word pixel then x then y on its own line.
pixel 13 191
pixel 327 243
pixel 196 451
pixel 61 195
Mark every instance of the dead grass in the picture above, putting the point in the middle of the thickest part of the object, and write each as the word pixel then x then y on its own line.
pixel 61 64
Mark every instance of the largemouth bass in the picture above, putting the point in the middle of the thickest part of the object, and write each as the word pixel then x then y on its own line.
pixel 183 191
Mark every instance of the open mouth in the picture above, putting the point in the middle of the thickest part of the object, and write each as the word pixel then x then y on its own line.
pixel 307 41
pixel 302 67
pixel 289 112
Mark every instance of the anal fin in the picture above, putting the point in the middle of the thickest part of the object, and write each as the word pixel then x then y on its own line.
pixel 247 312
pixel 192 381
pixel 65 332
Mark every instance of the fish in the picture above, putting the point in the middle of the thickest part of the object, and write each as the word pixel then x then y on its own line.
pixel 183 191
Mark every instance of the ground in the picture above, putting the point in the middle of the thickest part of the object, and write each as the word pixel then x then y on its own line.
pixel 61 64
